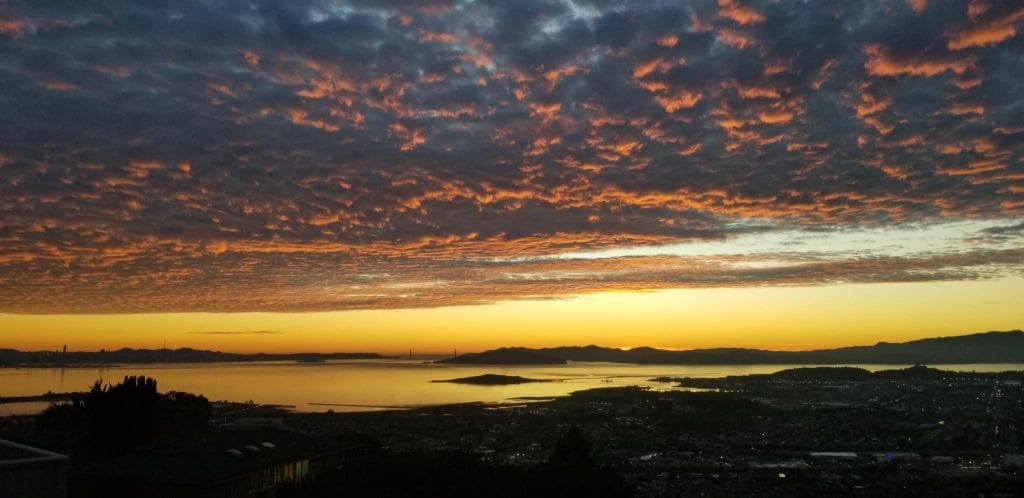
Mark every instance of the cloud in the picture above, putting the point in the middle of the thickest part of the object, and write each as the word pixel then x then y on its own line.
pixel 989 29
pixel 232 157
pixel 236 332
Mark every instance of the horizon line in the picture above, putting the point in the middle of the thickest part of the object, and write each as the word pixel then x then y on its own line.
pixel 406 352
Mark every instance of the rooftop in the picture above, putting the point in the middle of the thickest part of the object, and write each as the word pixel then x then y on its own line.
pixel 222 456
pixel 12 453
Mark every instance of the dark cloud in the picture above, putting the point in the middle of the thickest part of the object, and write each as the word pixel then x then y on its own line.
pixel 160 149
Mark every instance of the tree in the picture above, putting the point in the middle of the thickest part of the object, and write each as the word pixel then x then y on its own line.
pixel 572 471
pixel 573 450
pixel 112 419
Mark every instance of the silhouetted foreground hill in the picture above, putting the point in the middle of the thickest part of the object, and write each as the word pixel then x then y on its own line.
pixel 848 374
pixel 987 347
pixel 829 375
pixel 183 355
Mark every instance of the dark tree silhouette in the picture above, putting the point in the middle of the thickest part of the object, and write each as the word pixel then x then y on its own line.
pixel 573 450
pixel 112 419
pixel 121 416
pixel 572 471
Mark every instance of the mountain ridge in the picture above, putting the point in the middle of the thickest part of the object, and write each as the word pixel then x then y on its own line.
pixel 13 357
pixel 982 347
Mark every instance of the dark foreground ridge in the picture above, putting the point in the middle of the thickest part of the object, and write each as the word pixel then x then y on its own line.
pixel 492 380
pixel 12 357
pixel 847 376
pixel 986 347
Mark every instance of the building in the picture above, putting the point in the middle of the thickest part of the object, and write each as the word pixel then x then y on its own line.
pixel 230 464
pixel 28 472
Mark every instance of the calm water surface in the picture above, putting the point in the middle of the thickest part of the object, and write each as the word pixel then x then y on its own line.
pixel 372 384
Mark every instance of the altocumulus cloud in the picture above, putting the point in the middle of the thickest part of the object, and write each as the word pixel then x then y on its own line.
pixel 312 155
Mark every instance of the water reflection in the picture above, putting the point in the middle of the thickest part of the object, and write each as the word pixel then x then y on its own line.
pixel 374 384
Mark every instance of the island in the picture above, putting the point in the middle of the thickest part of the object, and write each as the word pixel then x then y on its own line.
pixel 492 380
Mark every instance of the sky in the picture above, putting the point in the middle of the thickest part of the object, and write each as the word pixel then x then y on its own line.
pixel 438 175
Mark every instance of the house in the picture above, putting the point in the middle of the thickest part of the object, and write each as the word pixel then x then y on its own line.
pixel 246 463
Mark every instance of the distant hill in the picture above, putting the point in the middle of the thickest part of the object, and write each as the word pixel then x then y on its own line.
pixel 507 356
pixel 986 347
pixel 9 357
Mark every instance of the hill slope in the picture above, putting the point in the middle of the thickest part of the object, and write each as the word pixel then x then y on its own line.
pixel 986 347
pixel 183 355
pixel 507 356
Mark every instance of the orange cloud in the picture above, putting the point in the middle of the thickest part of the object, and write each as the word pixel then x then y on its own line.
pixel 756 92
pixel 742 14
pixel 546 111
pixel 60 86
pixel 141 169
pixel 775 67
pixel 962 109
pixel 976 8
pixel 413 138
pixel 898 172
pixel 554 75
pixel 301 118
pixel 691 150
pixel 734 38
pixel 682 99
pixel 775 117
pixel 653 86
pixel 881 63
pixel 13 27
pixel 434 37
pixel 918 5
pixel 973 168
pixel 431 78
pixel 660 64
pixel 981 36
pixel 988 32
pixel 879 126
pixel 251 58
pixel 668 41
pixel 1002 130
pixel 823 73
pixel 870 105
pixel 967 83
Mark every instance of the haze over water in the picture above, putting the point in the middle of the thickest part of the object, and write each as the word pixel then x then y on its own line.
pixel 373 384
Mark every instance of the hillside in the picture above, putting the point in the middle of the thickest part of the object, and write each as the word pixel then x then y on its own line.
pixel 986 347
pixel 11 357
pixel 507 356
